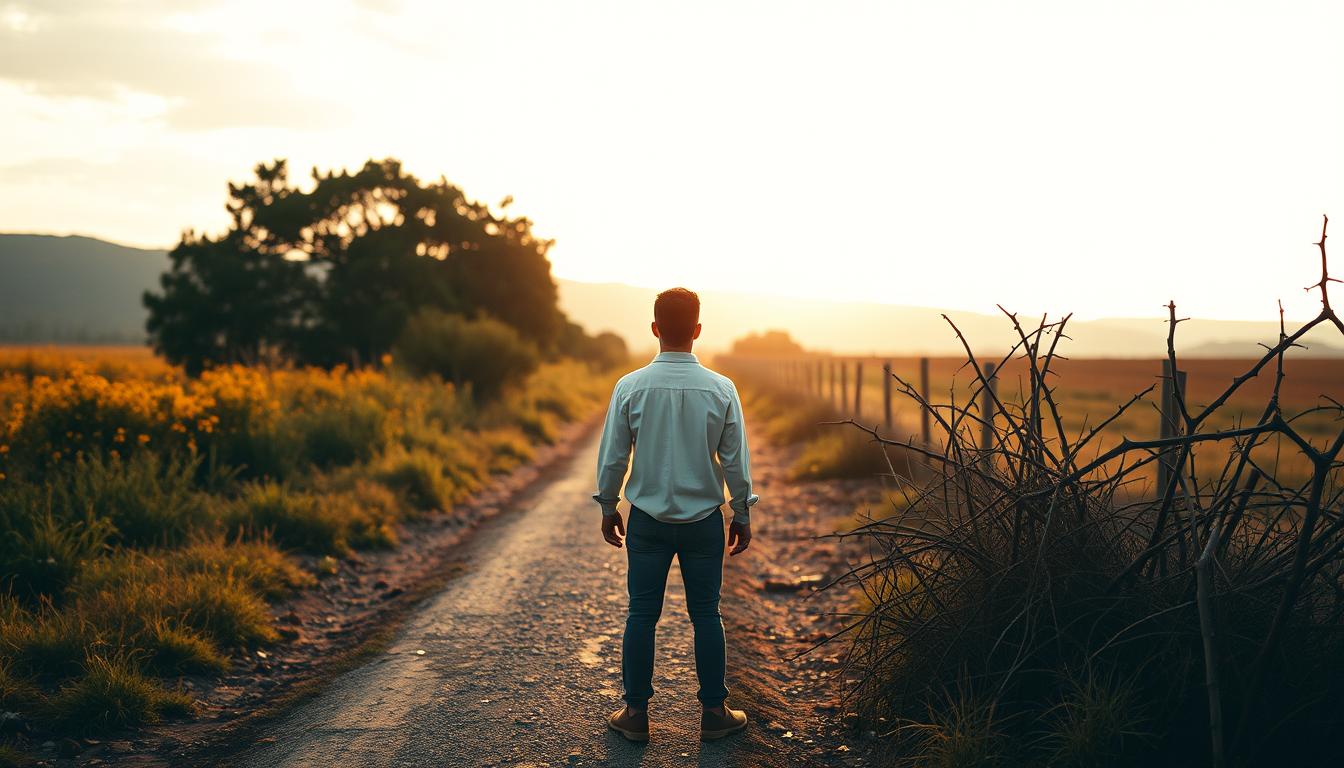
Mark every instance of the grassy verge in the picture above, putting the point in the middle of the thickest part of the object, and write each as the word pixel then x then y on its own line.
pixel 830 451
pixel 148 522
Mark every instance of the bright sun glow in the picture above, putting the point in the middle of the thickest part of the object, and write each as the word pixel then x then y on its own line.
pixel 1064 156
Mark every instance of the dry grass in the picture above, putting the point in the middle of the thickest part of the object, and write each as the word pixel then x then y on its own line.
pixel 1035 600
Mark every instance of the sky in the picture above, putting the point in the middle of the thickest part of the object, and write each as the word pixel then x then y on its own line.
pixel 1099 158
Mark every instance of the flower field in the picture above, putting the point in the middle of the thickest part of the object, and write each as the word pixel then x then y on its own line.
pixel 147 519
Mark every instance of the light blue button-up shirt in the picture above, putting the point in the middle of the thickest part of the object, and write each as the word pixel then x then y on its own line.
pixel 685 425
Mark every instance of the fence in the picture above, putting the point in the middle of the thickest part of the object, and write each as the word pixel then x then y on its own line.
pixel 841 381
pixel 844 381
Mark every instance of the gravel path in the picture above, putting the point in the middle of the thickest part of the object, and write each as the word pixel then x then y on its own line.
pixel 517 662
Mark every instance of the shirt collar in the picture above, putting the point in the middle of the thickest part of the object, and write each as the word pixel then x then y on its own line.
pixel 676 357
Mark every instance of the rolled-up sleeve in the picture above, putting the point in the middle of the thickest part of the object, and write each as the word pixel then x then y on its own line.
pixel 736 463
pixel 613 456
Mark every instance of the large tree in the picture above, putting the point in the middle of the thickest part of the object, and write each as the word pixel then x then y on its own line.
pixel 329 274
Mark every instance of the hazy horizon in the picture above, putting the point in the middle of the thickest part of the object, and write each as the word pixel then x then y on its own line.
pixel 88 288
pixel 1039 155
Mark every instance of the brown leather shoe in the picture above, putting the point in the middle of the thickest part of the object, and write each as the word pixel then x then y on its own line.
pixel 632 727
pixel 716 726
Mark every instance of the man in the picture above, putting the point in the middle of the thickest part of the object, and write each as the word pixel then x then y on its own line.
pixel 685 425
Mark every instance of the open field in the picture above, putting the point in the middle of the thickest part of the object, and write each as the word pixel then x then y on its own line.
pixel 148 519
pixel 1088 391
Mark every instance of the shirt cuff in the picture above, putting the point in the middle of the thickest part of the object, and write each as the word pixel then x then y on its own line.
pixel 742 514
pixel 608 504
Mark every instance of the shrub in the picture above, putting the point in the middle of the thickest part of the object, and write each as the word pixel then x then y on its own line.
pixel 484 353
pixel 129 596
pixel 962 734
pixel 601 351
pixel 1206 612
pixel 418 475
pixel 505 449
pixel 48 643
pixel 339 433
pixel 42 554
pixel 175 650
pixel 148 500
pixel 257 563
pixel 224 610
pixel 1094 724
pixel 112 694
pixel 792 422
pixel 290 518
pixel 841 454
pixel 15 690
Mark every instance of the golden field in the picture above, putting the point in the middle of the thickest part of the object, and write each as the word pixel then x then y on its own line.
pixel 1088 391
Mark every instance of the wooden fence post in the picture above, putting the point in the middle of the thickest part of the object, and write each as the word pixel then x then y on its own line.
pixel 844 386
pixel 1171 423
pixel 924 394
pixel 833 379
pixel 858 389
pixel 886 394
pixel 987 410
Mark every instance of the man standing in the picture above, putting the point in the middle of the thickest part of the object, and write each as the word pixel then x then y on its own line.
pixel 684 423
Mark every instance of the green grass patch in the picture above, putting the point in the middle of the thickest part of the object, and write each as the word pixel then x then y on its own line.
pixel 111 694
pixel 289 517
pixel 842 453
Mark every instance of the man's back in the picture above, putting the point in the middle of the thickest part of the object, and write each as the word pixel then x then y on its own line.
pixel 685 425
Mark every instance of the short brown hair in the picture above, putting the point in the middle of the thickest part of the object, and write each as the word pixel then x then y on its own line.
pixel 677 311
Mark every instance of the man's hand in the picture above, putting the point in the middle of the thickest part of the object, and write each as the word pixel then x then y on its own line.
pixel 613 529
pixel 739 534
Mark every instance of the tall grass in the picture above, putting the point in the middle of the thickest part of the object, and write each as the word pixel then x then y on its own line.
pixel 147 522
pixel 1033 605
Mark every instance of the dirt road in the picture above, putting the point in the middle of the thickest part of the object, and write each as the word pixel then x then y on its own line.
pixel 517 662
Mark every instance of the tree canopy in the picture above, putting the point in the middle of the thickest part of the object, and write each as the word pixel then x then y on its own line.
pixel 330 274
pixel 767 344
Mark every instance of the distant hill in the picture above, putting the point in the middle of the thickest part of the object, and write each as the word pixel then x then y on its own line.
pixel 83 290
pixel 1244 349
pixel 74 289
pixel 866 328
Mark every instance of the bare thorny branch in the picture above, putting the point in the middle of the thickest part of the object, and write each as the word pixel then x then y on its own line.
pixel 999 517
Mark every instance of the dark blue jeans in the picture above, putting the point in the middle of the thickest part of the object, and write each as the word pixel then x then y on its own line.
pixel 650 545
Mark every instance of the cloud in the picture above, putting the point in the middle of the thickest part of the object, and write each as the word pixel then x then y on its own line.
pixel 96 50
